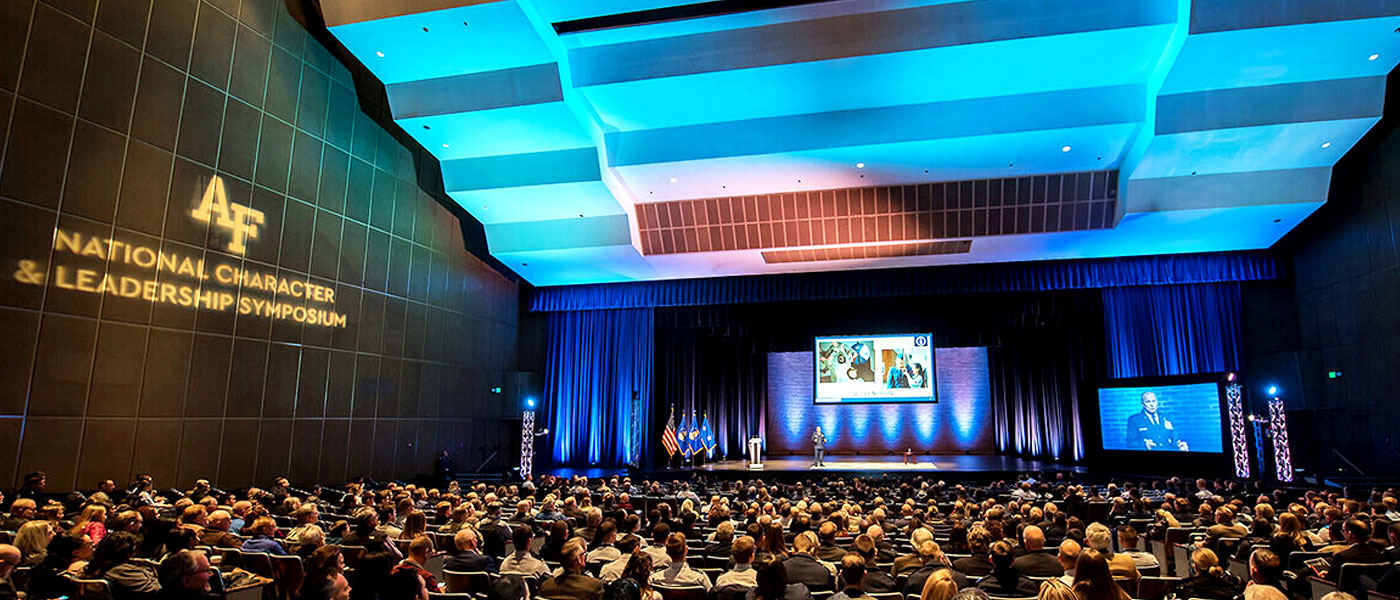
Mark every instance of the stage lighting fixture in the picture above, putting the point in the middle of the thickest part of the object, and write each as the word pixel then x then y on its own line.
pixel 530 402
pixel 1230 377
pixel 1273 390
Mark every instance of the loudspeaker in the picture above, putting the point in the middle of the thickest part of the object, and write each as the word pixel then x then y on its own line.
pixel 522 390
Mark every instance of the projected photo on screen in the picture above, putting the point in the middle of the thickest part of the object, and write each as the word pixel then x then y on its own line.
pixel 1162 418
pixel 874 368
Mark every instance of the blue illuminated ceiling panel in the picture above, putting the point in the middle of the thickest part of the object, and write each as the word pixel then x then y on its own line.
pixel 1224 117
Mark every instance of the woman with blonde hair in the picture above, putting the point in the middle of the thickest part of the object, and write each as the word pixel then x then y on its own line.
pixel 91 523
pixel 33 539
pixel 1208 580
pixel 940 586
pixel 1055 589
pixel 1092 580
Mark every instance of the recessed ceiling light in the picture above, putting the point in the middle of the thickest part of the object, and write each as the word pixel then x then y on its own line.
pixel 1373 57
pixel 485 208
pixel 379 54
pixel 1277 220
pixel 425 30
pixel 426 127
pixel 860 165
pixel 1065 149
pixel 446 146
pixel 673 180
pixel 1326 144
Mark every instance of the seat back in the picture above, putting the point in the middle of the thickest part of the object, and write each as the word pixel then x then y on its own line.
pixel 352 554
pixel 466 582
pixel 682 593
pixel 259 563
pixel 1349 579
pixel 287 573
pixel 1155 588
pixel 1181 560
pixel 1129 585
pixel 92 589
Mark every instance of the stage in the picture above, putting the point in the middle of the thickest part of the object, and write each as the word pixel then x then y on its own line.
pixel 982 465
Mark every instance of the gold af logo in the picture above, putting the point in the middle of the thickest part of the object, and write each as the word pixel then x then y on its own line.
pixel 241 222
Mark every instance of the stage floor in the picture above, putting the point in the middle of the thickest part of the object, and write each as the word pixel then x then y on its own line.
pixel 863 465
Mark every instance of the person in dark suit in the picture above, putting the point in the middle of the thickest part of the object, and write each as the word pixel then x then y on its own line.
pixel 828 550
pixel 1035 562
pixel 467 558
pixel 933 560
pixel 1149 430
pixel 803 567
pixel 979 563
pixel 1358 535
pixel 1005 580
pixel 875 580
pixel 819 447
pixel 574 583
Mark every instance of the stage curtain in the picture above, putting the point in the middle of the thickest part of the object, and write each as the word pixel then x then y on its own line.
pixel 708 362
pixel 1037 372
pixel 1172 329
pixel 595 359
pixel 923 281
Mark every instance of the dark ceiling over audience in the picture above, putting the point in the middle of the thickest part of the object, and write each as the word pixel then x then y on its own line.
pixel 654 139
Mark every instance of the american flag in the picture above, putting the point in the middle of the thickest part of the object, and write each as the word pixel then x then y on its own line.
pixel 668 437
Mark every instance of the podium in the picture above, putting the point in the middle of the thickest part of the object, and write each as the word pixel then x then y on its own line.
pixel 755 454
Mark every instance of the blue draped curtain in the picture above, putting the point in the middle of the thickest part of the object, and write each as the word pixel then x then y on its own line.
pixel 595 360
pixel 1172 329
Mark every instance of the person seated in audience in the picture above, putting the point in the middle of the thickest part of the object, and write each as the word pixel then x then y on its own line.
pixel 804 567
pixel 325 586
pixel 404 585
pixel 939 585
pixel 772 541
pixel 743 574
pixel 1092 579
pixel 1036 562
pixel 307 518
pixel 33 487
pixel 522 562
pixel 495 531
pixel 573 583
pixel 933 561
pixel 635 577
pixel 241 511
pixel 184 575
pixel 659 534
pixel 627 545
pixel 852 573
pixel 91 522
pixel 113 560
pixel 21 511
pixel 9 559
pixel 828 550
pixel 772 581
pixel 1208 579
pixel 414 525
pixel 508 587
pixel 603 547
pixel 1225 526
pixel 364 532
pixel 1055 589
pixel 721 540
pixel 67 556
pixel 1264 592
pixel 912 561
pixel 980 561
pixel 33 539
pixel 262 530
pixel 467 557
pixel 1098 538
pixel 1359 549
pixel 876 581
pixel 1005 580
pixel 456 521
pixel 678 573
pixel 417 560
pixel 216 531
pixel 388 522
pixel 1129 543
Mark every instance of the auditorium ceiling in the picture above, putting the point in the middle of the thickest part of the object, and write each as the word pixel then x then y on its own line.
pixel 621 140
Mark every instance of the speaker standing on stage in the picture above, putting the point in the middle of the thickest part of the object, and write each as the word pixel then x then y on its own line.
pixel 819 447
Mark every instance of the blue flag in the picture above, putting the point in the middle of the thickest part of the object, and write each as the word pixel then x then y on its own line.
pixel 696 444
pixel 683 432
pixel 707 436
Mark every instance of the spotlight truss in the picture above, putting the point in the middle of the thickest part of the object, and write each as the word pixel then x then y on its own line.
pixel 1234 397
pixel 1283 462
pixel 527 444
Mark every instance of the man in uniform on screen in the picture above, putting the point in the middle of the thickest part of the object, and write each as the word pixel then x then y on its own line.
pixel 1150 430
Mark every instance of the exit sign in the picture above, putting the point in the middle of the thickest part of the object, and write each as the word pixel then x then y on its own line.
pixel 1334 374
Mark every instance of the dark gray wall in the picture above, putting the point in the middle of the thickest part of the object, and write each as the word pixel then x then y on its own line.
pixel 114 117
pixel 1346 290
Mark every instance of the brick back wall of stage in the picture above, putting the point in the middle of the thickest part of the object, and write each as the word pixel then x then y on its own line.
pixel 116 118
pixel 960 422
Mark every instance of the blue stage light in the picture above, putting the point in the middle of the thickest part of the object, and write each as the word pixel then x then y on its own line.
pixel 1273 390
pixel 530 402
